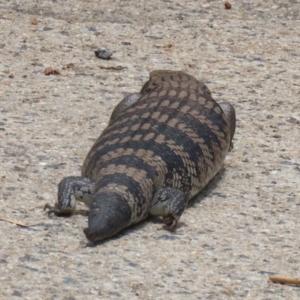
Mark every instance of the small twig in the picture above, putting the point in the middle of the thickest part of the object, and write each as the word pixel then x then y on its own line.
pixel 118 68
pixel 14 222
pixel 284 280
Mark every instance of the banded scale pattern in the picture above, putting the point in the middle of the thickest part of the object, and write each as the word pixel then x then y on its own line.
pixel 161 147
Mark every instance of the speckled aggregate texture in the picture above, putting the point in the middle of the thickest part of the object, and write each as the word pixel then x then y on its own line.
pixel 243 227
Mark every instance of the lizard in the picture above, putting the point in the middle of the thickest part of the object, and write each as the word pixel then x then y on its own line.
pixel 161 148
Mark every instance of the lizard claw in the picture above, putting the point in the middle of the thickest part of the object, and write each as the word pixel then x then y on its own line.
pixel 51 210
pixel 171 220
pixel 56 210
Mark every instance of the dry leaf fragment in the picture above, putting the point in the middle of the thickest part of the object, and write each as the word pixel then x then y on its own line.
pixel 227 5
pixel 50 71
pixel 34 21
pixel 169 45
pixel 70 66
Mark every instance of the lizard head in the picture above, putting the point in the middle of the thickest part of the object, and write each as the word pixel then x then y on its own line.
pixel 109 214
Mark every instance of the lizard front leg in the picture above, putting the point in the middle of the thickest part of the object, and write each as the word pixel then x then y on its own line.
pixel 170 204
pixel 124 104
pixel 70 190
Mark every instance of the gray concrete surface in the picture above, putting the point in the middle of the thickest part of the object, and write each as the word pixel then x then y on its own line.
pixel 242 228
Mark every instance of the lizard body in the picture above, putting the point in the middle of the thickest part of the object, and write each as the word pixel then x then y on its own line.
pixel 161 147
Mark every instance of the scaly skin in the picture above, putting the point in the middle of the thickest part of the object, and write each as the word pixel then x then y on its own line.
pixel 161 147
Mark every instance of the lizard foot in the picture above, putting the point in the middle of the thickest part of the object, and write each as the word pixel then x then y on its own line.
pixel 56 210
pixel 171 220
pixel 170 204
